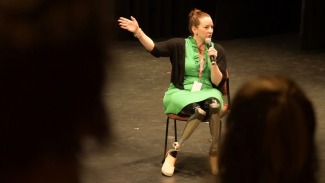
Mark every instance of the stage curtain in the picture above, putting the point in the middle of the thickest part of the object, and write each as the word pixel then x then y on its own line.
pixel 312 25
pixel 161 19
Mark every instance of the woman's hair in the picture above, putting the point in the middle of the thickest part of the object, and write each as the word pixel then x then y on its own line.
pixel 269 134
pixel 52 70
pixel 194 17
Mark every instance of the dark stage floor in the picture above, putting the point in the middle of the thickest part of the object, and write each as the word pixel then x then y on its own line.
pixel 134 97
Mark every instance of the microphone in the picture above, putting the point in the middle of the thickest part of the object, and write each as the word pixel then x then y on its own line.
pixel 208 43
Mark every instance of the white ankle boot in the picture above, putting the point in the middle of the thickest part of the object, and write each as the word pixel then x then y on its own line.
pixel 169 164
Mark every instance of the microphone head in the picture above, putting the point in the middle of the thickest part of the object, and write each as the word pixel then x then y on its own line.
pixel 208 41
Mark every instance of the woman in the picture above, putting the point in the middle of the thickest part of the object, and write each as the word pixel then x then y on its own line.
pixel 270 135
pixel 195 79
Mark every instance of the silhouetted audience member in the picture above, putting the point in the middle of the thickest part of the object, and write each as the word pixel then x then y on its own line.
pixel 52 68
pixel 269 134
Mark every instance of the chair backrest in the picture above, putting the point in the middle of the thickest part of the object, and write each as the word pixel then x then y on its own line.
pixel 225 89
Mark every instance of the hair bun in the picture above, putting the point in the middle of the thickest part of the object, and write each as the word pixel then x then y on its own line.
pixel 194 12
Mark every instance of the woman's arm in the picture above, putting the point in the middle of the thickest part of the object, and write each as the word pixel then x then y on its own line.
pixel 133 26
pixel 159 49
pixel 218 71
pixel 216 75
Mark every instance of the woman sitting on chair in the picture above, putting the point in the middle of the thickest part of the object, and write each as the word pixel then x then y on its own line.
pixel 195 79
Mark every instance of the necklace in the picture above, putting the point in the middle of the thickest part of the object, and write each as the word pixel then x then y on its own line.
pixel 200 50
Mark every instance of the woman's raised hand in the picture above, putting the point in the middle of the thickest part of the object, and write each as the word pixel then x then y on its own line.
pixel 133 26
pixel 130 25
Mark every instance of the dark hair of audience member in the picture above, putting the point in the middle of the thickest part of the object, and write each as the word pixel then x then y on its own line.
pixel 269 134
pixel 52 70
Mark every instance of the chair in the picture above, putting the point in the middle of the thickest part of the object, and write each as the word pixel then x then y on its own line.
pixel 183 117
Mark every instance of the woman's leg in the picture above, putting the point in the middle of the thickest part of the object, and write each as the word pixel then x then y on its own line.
pixel 213 106
pixel 197 114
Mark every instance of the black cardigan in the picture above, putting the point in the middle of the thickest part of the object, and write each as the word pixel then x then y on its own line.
pixel 175 50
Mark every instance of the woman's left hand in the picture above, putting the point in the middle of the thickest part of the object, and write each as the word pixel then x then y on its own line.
pixel 212 52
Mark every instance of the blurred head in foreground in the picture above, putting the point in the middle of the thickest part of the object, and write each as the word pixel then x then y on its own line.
pixel 52 69
pixel 269 134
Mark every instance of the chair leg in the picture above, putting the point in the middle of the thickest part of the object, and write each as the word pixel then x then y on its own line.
pixel 219 133
pixel 166 137
pixel 175 128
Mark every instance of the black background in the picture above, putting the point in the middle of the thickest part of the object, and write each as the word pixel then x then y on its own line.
pixel 232 18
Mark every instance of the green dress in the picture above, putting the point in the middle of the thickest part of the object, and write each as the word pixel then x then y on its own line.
pixel 175 99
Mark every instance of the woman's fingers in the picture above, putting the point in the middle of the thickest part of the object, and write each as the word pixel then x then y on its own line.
pixel 212 52
pixel 124 23
pixel 133 19
pixel 123 26
pixel 124 19
pixel 212 49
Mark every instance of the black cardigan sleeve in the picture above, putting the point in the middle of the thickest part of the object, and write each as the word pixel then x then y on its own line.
pixel 165 48
pixel 175 50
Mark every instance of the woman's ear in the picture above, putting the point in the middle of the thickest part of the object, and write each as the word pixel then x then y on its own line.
pixel 194 30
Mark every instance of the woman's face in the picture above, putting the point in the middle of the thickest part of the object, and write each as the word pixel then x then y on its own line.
pixel 205 29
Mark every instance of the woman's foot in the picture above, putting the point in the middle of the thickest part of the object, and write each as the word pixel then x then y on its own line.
pixel 214 162
pixel 169 164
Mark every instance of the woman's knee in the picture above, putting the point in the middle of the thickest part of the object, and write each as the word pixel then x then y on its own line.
pixel 209 101
pixel 190 108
